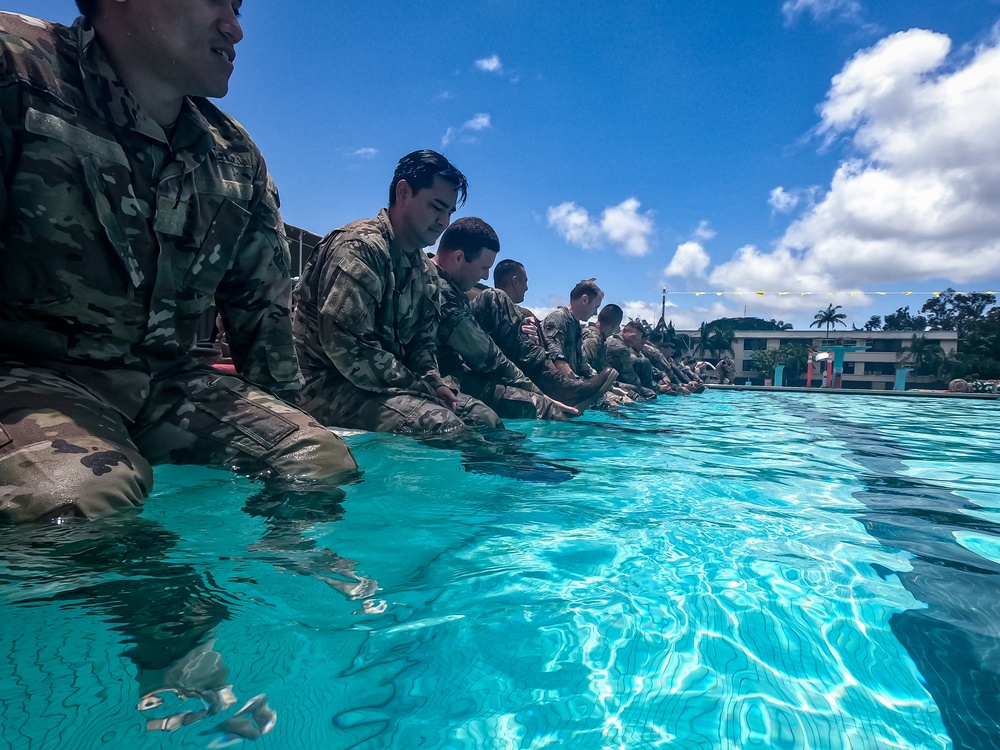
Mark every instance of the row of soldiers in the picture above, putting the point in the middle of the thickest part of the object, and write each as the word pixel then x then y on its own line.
pixel 130 203
pixel 391 338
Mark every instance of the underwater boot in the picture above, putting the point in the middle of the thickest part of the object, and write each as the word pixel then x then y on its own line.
pixel 577 391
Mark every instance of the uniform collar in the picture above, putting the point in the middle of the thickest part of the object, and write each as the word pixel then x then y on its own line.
pixel 109 96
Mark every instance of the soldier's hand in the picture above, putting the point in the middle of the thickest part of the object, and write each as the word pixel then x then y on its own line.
pixel 530 329
pixel 569 411
pixel 447 396
pixel 618 391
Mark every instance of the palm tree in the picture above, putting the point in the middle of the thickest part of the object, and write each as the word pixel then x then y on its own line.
pixel 720 340
pixel 829 317
pixel 926 356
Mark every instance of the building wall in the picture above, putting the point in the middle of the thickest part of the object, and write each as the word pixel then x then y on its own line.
pixel 874 369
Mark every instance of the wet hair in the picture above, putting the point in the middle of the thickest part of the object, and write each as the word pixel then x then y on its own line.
pixel 470 235
pixel 610 314
pixel 87 8
pixel 419 170
pixel 588 287
pixel 504 270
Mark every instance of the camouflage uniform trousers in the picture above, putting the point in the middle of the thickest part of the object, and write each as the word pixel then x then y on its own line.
pixel 339 403
pixel 511 402
pixel 64 451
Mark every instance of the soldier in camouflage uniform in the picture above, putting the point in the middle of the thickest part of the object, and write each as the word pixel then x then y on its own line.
pixel 517 333
pixel 625 355
pixel 595 335
pixel 563 337
pixel 365 320
pixel 673 376
pixel 128 201
pixel 466 353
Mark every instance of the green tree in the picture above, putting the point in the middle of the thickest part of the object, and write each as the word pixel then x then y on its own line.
pixel 765 360
pixel 902 320
pixel 829 317
pixel 954 311
pixel 925 356
pixel 874 323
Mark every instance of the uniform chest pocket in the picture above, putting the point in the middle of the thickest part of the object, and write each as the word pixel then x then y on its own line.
pixel 216 254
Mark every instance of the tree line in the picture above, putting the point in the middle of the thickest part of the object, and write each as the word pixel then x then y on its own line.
pixel 972 315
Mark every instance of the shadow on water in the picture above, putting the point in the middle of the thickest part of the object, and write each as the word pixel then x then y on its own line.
pixel 167 611
pixel 501 453
pixel 955 640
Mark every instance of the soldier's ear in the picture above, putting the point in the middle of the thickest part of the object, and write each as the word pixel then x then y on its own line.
pixel 403 191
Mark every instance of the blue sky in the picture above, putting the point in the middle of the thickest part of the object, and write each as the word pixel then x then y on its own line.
pixel 802 146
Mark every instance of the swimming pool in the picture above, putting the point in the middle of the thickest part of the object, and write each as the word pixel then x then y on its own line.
pixel 734 570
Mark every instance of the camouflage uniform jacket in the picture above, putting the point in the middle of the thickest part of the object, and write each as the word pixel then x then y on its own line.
pixel 595 346
pixel 364 312
pixel 633 368
pixel 115 236
pixel 564 340
pixel 463 343
pixel 497 314
pixel 666 368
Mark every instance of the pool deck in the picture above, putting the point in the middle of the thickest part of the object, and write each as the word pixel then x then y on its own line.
pixel 855 392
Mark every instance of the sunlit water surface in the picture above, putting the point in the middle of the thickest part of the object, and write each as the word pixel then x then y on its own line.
pixel 734 570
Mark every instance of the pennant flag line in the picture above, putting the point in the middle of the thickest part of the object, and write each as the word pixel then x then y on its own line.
pixel 832 294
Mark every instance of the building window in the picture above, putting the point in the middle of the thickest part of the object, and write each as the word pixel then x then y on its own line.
pixel 747 366
pixel 754 345
pixel 877 368
pixel 885 345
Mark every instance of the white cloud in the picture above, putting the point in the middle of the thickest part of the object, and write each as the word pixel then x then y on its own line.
pixel 490 64
pixel 644 310
pixel 782 201
pixel 621 225
pixel 918 200
pixel 704 231
pixel 366 153
pixel 478 122
pixel 690 261
pixel 821 9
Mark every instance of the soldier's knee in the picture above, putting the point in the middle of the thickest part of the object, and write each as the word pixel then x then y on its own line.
pixel 86 478
pixel 313 452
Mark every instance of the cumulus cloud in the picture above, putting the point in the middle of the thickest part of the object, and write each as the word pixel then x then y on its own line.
pixel 620 225
pixel 849 10
pixel 782 201
pixel 478 122
pixel 704 231
pixel 917 199
pixel 491 64
pixel 690 261
pixel 366 153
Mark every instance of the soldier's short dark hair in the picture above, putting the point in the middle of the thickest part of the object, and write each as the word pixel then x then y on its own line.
pixel 470 235
pixel 419 170
pixel 610 314
pixel 636 325
pixel 505 270
pixel 87 8
pixel 588 287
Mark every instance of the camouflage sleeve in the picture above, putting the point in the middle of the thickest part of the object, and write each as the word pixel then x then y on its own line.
pixel 351 285
pixel 483 355
pixel 421 351
pixel 618 357
pixel 254 299
pixel 554 330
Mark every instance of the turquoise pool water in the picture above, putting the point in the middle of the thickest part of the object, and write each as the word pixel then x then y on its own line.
pixel 734 570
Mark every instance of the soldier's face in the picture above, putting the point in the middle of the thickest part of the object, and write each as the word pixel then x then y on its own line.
pixel 592 306
pixel 468 272
pixel 519 284
pixel 424 215
pixel 185 47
